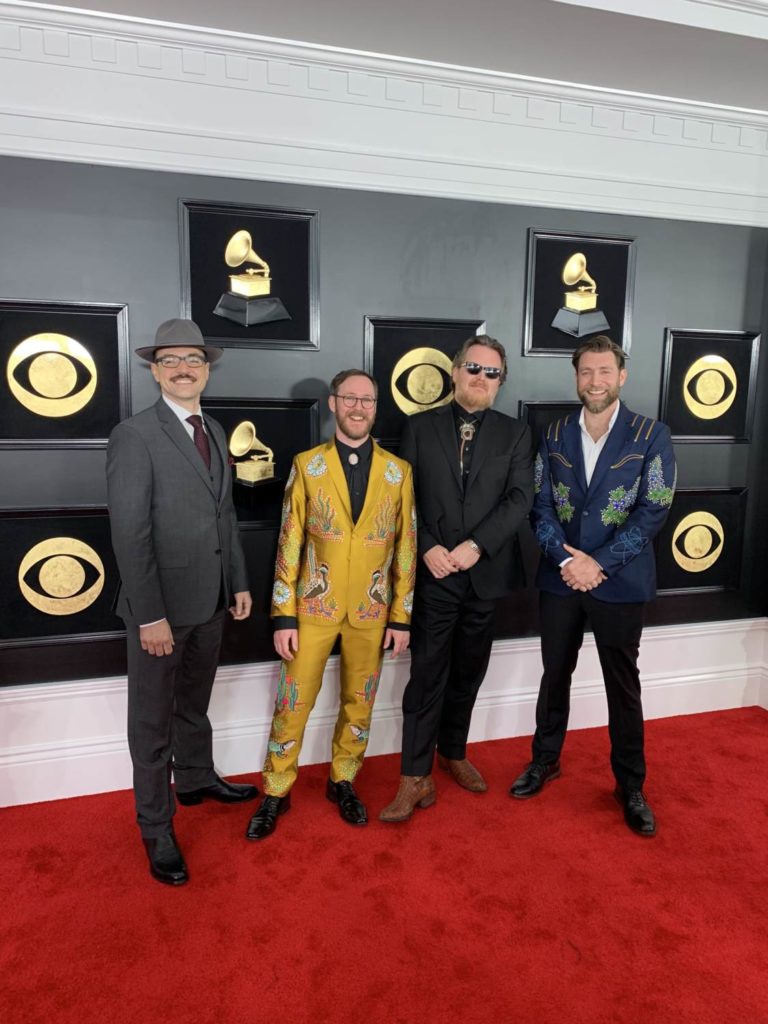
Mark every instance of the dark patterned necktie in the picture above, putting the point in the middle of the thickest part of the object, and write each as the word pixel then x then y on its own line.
pixel 200 439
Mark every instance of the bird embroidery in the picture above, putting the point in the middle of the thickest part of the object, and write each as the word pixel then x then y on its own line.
pixel 280 749
pixel 378 591
pixel 361 735
pixel 317 583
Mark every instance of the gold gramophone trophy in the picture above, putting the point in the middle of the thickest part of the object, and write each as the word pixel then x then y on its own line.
pixel 579 316
pixel 248 300
pixel 257 462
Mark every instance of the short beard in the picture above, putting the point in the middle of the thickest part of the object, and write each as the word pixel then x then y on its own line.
pixel 596 407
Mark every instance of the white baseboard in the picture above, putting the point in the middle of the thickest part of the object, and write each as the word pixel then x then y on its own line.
pixel 68 739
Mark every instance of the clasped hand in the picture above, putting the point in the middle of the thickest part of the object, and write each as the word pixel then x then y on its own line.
pixel 441 562
pixel 582 572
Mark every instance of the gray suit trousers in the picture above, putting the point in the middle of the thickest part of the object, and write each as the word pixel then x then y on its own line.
pixel 168 725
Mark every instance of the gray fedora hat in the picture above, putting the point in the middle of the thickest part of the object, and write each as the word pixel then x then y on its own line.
pixel 179 334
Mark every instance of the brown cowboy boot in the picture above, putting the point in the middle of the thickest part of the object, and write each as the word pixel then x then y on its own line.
pixel 464 772
pixel 414 791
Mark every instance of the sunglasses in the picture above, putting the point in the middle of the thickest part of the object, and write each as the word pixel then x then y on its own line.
pixel 491 372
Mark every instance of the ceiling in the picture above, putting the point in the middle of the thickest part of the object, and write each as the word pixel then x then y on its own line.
pixel 565 41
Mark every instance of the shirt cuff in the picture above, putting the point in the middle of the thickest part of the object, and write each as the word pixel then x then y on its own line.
pixel 146 625
pixel 400 626
pixel 285 622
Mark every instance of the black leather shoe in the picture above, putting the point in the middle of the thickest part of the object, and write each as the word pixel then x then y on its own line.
pixel 351 807
pixel 533 778
pixel 264 821
pixel 165 861
pixel 637 814
pixel 221 790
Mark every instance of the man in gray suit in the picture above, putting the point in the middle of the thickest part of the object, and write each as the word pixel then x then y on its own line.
pixel 181 565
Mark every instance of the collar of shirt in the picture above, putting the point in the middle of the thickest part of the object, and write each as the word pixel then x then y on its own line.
pixel 459 413
pixel 363 452
pixel 182 414
pixel 591 449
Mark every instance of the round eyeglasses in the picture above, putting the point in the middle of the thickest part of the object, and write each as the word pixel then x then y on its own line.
pixel 350 401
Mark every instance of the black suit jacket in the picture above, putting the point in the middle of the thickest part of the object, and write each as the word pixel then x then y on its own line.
pixel 498 496
pixel 174 531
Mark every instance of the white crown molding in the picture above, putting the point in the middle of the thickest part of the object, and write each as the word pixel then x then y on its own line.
pixel 738 17
pixel 92 88
pixel 68 739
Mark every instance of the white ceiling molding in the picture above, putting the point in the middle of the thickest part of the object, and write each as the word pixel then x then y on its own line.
pixel 739 17
pixel 91 88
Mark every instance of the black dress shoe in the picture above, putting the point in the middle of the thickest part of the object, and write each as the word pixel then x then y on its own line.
pixel 637 814
pixel 165 861
pixel 351 807
pixel 221 790
pixel 264 821
pixel 533 778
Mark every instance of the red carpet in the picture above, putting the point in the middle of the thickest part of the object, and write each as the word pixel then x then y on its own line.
pixel 481 909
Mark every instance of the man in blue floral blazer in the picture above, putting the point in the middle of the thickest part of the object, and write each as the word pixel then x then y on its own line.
pixel 604 483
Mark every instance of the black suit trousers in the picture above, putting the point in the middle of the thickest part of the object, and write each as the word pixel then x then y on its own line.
pixel 168 726
pixel 617 629
pixel 451 637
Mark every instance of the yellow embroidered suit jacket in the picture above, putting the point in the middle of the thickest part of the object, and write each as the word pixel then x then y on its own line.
pixel 329 567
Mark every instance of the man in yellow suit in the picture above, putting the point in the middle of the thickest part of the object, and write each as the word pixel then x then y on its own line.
pixel 346 565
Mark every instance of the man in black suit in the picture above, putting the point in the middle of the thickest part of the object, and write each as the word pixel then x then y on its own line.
pixel 181 565
pixel 472 469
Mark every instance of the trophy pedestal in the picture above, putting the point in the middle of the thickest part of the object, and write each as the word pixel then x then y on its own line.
pixel 252 472
pixel 580 325
pixel 260 310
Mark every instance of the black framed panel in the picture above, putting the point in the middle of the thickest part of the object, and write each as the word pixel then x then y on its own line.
pixel 410 358
pixel 66 382
pixel 540 415
pixel 252 640
pixel 699 549
pixel 577 286
pixel 58 576
pixel 250 274
pixel 284 427
pixel 708 384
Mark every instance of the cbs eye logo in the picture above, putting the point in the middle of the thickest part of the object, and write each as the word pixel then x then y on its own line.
pixel 61 576
pixel 697 542
pixel 421 379
pixel 51 375
pixel 709 387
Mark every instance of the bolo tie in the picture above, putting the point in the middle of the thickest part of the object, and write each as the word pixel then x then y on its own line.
pixel 467 430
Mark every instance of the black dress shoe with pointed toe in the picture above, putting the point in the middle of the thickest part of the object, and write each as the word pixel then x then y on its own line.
pixel 637 814
pixel 351 807
pixel 533 778
pixel 221 790
pixel 264 821
pixel 165 861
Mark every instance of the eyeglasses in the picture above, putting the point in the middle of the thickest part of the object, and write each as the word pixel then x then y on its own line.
pixel 171 362
pixel 491 372
pixel 350 401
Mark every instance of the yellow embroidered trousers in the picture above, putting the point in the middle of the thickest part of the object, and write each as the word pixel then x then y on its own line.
pixel 297 690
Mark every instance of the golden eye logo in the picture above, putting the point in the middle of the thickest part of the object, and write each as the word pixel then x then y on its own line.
pixel 68 573
pixel 51 375
pixel 709 387
pixel 421 380
pixel 697 542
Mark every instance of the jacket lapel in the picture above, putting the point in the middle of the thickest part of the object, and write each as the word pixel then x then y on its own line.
pixel 573 449
pixel 338 478
pixel 449 442
pixel 221 447
pixel 483 445
pixel 617 441
pixel 176 431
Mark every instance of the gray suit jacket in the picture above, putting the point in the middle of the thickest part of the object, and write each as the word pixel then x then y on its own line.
pixel 174 533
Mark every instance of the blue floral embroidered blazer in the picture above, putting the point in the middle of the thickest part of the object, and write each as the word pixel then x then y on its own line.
pixel 329 567
pixel 616 517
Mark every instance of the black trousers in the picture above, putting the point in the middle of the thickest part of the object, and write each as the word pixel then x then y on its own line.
pixel 617 629
pixel 451 637
pixel 168 725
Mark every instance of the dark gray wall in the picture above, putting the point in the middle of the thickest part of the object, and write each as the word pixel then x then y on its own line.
pixel 101 234
pixel 81 233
